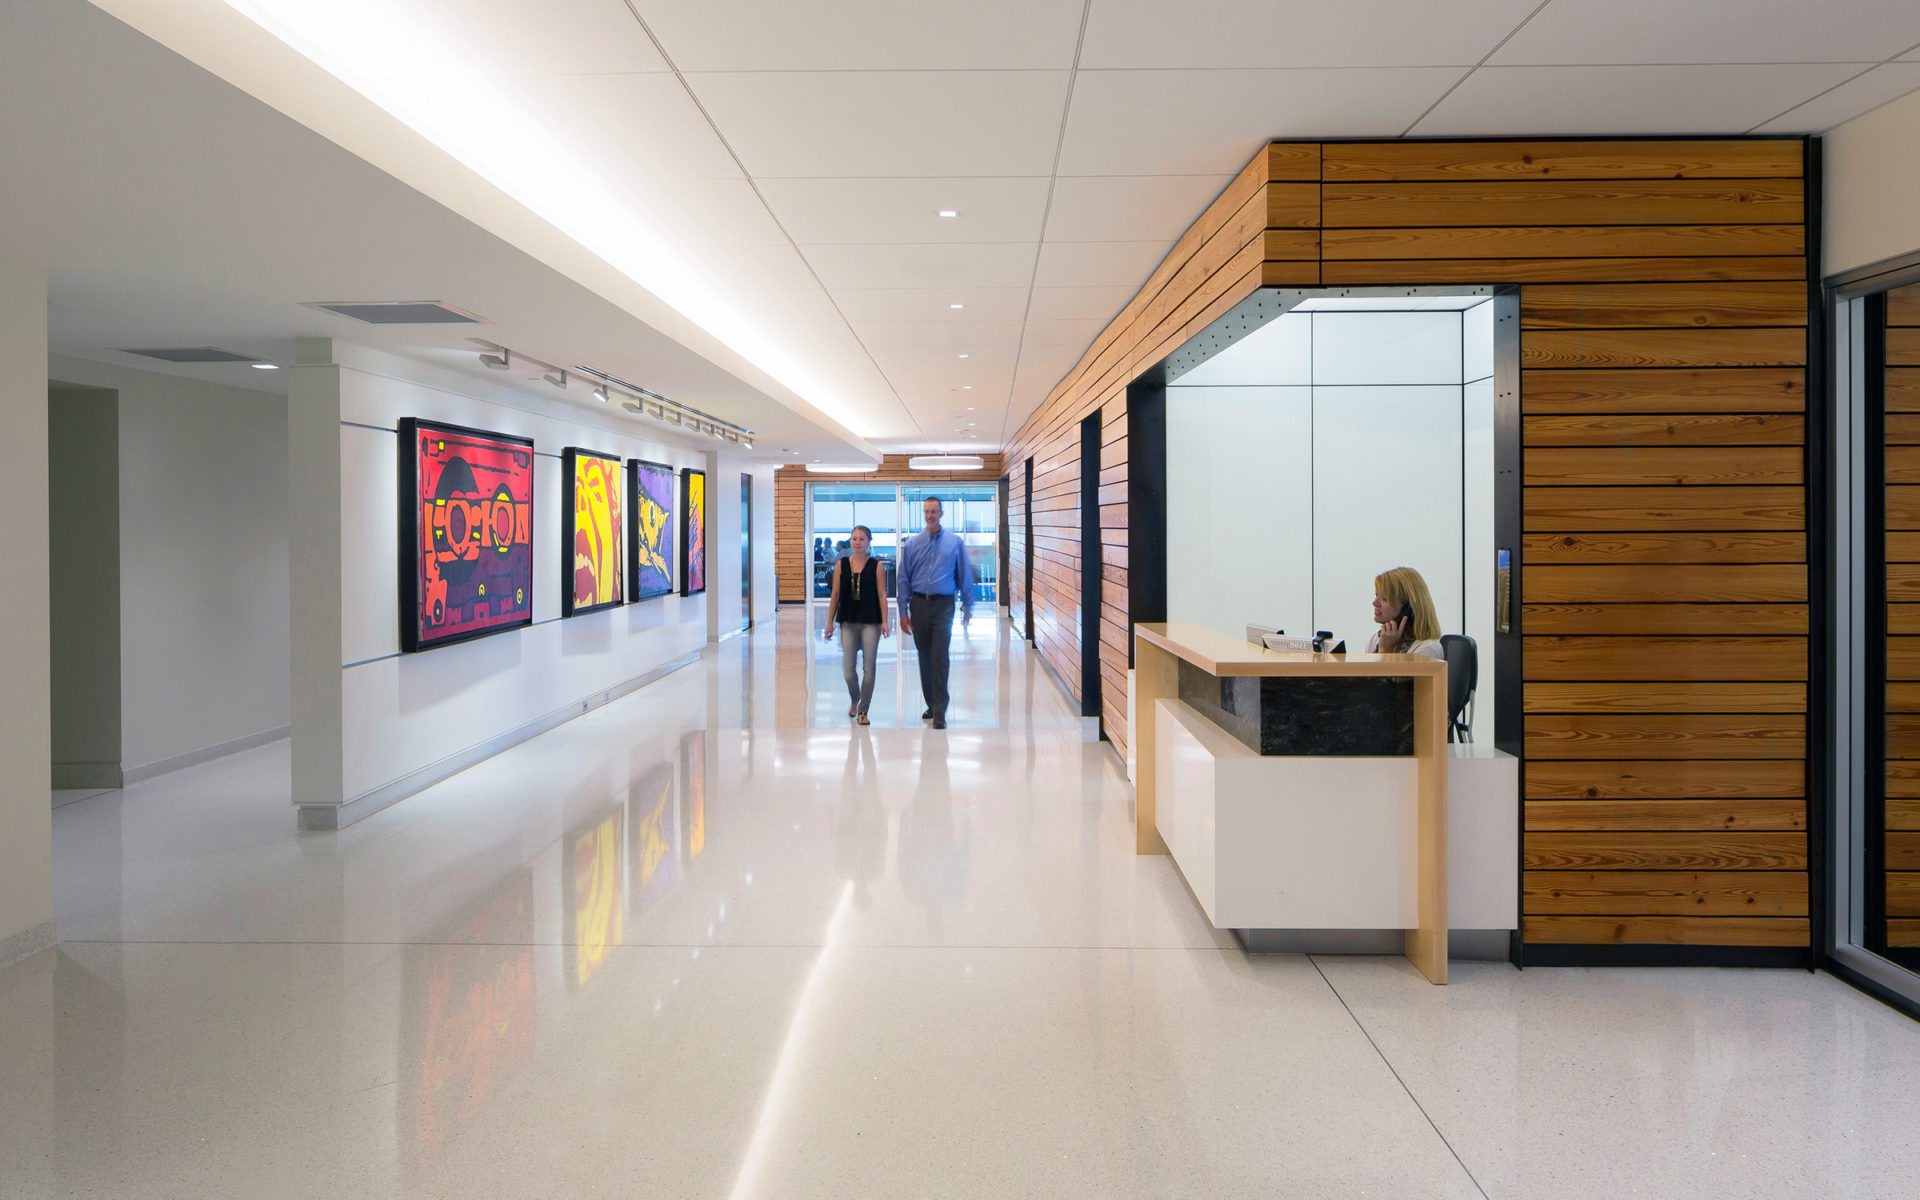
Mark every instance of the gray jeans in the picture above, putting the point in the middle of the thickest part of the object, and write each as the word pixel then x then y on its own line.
pixel 859 639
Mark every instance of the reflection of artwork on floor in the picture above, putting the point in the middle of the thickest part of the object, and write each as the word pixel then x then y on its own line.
pixel 595 495
pixel 650 542
pixel 693 534
pixel 470 1013
pixel 596 888
pixel 466 533
pixel 693 789
pixel 655 830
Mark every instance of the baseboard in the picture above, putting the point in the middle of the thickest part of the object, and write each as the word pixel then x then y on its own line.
pixel 29 941
pixel 101 776
pixel 320 818
pixel 1798 957
pixel 194 758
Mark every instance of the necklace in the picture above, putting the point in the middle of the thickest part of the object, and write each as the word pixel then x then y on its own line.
pixel 856 579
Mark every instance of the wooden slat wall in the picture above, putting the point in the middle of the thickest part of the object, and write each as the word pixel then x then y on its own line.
pixel 1902 468
pixel 790 510
pixel 1663 344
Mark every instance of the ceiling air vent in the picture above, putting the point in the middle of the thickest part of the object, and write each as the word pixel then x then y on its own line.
pixel 399 312
pixel 192 354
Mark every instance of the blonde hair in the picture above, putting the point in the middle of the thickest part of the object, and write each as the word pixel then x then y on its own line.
pixel 1403 586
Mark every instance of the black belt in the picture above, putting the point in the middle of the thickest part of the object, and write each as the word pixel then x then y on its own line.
pixel 931 596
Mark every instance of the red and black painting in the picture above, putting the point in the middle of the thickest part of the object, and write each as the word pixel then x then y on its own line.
pixel 466 533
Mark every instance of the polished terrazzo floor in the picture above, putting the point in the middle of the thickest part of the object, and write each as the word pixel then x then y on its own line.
pixel 711 941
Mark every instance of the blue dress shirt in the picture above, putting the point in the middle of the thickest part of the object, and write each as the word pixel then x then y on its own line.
pixel 935 566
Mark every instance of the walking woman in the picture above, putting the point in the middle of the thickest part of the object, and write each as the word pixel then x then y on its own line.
pixel 858 605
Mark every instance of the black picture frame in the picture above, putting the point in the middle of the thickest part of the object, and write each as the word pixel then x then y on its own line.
pixel 687 476
pixel 636 593
pixel 409 430
pixel 569 458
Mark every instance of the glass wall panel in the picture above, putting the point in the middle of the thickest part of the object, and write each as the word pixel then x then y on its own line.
pixel 836 509
pixel 972 511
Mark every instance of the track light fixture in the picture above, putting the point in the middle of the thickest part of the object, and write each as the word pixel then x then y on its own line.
pixel 556 378
pixel 600 393
pixel 499 361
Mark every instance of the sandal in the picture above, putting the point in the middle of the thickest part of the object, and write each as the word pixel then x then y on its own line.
pixel 862 720
pixel 850 711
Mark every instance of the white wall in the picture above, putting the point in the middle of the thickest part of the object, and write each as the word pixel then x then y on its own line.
pixel 399 714
pixel 26 815
pixel 1872 176
pixel 203 563
pixel 1324 449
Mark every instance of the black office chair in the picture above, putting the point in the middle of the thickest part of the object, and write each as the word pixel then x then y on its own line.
pixel 1463 679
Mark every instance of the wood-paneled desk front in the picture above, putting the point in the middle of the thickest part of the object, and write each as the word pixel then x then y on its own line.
pixel 1159 651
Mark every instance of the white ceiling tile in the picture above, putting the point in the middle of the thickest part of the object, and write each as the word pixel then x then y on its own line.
pixel 707 212
pixel 480 38
pixel 1858 95
pixel 632 130
pixel 1074 303
pixel 886 123
pixel 1129 208
pixel 919 386
pixel 930 304
pixel 1297 33
pixel 777 35
pixel 908 210
pixel 959 335
pixel 1712 31
pixel 890 357
pixel 1056 359
pixel 1098 264
pixel 742 270
pixel 994 265
pixel 1063 333
pixel 1609 100
pixel 1211 122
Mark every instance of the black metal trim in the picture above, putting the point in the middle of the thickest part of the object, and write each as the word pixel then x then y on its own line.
pixel 1647 955
pixel 1146 505
pixel 1902 1004
pixel 1026 590
pixel 1819 475
pixel 1090 568
pixel 1873 551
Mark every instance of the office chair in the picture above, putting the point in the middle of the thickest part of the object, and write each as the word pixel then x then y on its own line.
pixel 1463 679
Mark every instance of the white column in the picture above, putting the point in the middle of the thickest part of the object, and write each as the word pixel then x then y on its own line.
pixel 26 734
pixel 314 576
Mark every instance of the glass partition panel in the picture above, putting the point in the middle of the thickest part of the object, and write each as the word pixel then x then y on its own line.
pixel 972 511
pixel 836 509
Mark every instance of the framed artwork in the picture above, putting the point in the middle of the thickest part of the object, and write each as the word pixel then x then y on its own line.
pixel 693 533
pixel 595 495
pixel 651 490
pixel 466 533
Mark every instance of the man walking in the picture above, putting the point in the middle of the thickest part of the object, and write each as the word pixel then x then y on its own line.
pixel 933 566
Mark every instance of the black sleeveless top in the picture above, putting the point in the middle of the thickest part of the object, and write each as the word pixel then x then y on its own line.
pixel 860 598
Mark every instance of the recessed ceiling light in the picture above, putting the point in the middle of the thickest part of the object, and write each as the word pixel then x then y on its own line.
pixel 265 366
pixel 956 306
pixel 966 387
pixel 949 213
pixel 966 356
pixel 969 408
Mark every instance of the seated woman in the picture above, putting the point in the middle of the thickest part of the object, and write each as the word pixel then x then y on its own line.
pixel 1403 607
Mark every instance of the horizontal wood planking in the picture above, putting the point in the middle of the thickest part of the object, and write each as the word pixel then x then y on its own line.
pixel 1588 349
pixel 1675 269
pixel 1658 851
pixel 1541 549
pixel 1573 202
pixel 1664 305
pixel 1648 584
pixel 1663 893
pixel 1680 779
pixel 1556 158
pixel 1640 736
pixel 1665 698
pixel 1618 391
pixel 1666 430
pixel 1563 241
pixel 1680 509
pixel 1657 466
pixel 1666 659
pixel 1674 931
pixel 1608 815
pixel 1677 619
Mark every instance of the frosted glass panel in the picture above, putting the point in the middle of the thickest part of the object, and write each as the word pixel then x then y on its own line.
pixel 1478 458
pixel 1274 355
pixel 1386 465
pixel 1476 338
pixel 1239 507
pixel 1401 347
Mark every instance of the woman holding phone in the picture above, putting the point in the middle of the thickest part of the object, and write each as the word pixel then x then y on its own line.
pixel 1403 608
pixel 858 605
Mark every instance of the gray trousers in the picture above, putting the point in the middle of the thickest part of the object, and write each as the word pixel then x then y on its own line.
pixel 932 630
pixel 858 640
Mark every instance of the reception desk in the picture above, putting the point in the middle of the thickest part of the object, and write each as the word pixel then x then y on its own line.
pixel 1300 791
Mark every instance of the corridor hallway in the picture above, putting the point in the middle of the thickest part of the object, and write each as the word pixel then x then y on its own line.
pixel 712 941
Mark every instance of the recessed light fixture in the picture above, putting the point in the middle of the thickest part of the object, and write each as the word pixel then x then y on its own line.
pixel 956 306
pixel 966 387
pixel 945 462
pixel 265 366
pixel 966 356
pixel 969 408
pixel 949 213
